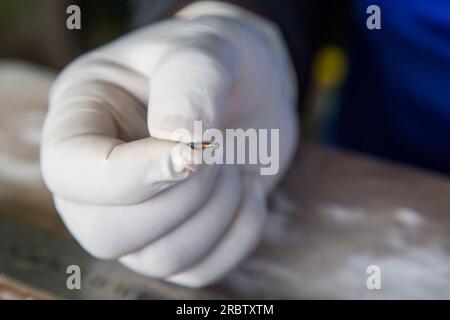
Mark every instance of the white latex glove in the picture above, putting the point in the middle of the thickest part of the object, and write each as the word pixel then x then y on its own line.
pixel 126 191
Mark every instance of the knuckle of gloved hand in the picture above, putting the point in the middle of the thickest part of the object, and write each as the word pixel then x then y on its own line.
pixel 198 281
pixel 194 280
pixel 206 43
pixel 50 163
pixel 99 249
pixel 89 230
pixel 92 237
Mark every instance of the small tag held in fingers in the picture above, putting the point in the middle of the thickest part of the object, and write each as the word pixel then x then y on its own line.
pixel 197 148
pixel 203 145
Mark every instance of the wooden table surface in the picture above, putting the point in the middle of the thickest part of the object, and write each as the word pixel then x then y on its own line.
pixel 334 215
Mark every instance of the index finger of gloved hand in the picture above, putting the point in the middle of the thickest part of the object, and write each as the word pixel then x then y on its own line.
pixel 83 158
pixel 191 83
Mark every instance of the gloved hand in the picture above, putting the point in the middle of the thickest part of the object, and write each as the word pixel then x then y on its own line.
pixel 127 191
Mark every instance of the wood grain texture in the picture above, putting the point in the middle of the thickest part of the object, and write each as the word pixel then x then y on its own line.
pixel 13 290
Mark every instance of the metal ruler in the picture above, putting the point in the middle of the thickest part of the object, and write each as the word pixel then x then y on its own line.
pixel 34 264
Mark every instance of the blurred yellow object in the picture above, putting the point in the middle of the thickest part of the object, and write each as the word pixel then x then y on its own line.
pixel 329 66
pixel 329 70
